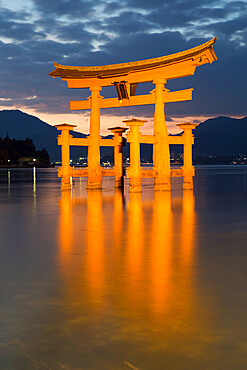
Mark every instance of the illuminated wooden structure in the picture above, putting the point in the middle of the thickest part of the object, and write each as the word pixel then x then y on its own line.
pixel 93 172
pixel 135 172
pixel 125 78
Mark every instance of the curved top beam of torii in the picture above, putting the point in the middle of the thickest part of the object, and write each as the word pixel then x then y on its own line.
pixel 176 65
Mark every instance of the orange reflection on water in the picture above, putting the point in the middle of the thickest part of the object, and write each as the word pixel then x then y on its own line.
pixel 118 217
pixel 135 235
pixel 161 249
pixel 188 222
pixel 95 245
pixel 66 225
pixel 145 266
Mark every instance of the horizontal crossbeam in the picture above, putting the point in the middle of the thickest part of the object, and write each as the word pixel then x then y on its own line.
pixel 175 139
pixel 78 141
pixel 168 97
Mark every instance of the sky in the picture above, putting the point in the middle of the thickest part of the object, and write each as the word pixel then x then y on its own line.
pixel 36 33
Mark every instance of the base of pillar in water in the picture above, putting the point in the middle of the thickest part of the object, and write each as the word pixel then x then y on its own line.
pixel 162 184
pixel 94 184
pixel 119 183
pixel 188 184
pixel 135 186
pixel 65 183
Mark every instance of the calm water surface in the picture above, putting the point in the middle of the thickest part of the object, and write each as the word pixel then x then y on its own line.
pixel 99 280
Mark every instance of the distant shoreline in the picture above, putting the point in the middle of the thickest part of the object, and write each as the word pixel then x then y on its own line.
pixel 16 166
pixel 144 164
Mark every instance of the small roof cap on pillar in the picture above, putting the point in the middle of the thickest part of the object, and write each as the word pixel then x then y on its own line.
pixel 186 125
pixel 117 129
pixel 134 122
pixel 64 126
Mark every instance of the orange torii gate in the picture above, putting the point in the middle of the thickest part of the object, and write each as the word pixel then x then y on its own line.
pixel 125 77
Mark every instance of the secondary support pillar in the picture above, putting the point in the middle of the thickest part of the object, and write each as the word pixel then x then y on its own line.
pixel 161 150
pixel 134 171
pixel 94 170
pixel 63 140
pixel 188 169
pixel 118 155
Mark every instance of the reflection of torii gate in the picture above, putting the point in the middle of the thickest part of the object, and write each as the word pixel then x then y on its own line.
pixel 125 78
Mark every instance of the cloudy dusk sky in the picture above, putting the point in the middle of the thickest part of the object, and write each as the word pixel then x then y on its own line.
pixel 34 34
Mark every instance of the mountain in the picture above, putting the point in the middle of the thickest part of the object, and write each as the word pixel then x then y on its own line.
pixel 20 125
pixel 221 136
pixel 216 136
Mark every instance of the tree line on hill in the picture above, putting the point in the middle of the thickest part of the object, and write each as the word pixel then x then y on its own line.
pixel 22 153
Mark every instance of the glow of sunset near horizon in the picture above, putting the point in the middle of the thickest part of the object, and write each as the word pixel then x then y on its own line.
pixel 82 121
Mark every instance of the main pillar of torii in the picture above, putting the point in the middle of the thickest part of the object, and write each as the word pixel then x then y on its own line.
pixel 125 77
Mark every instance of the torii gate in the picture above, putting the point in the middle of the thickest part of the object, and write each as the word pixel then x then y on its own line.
pixel 125 77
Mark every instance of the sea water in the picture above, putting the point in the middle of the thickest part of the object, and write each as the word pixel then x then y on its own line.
pixel 112 280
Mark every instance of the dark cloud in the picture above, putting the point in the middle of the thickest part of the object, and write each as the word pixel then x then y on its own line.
pixel 228 29
pixel 146 4
pixel 15 27
pixel 7 14
pixel 144 46
pixel 113 6
pixel 18 32
pixel 192 15
pixel 75 8
pixel 75 32
pixel 127 23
